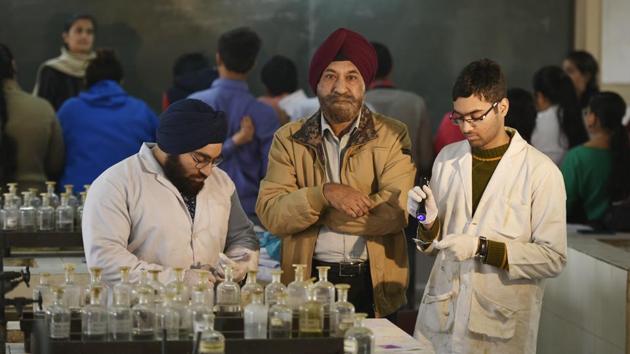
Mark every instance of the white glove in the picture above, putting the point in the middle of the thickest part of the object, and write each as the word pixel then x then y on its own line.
pixel 460 247
pixel 240 259
pixel 415 196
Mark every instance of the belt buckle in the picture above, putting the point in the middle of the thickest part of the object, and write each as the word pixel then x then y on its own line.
pixel 350 268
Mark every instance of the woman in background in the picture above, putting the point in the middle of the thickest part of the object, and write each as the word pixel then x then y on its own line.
pixel 582 68
pixel 598 172
pixel 62 77
pixel 559 124
pixel 522 112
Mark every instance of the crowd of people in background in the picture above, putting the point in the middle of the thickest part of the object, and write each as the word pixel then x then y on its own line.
pixel 79 120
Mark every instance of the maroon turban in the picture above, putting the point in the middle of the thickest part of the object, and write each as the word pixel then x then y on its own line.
pixel 349 45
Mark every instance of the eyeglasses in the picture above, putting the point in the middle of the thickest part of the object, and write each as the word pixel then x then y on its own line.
pixel 458 118
pixel 201 162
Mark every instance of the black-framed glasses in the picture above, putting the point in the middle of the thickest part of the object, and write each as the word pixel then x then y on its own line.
pixel 458 118
pixel 201 161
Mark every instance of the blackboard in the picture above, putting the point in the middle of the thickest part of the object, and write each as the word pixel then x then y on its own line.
pixel 431 40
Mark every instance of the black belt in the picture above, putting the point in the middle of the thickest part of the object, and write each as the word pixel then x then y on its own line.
pixel 345 269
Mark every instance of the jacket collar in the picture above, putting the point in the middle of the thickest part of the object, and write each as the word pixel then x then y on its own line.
pixel 310 133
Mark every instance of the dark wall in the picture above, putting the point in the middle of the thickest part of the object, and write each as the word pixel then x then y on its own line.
pixel 431 40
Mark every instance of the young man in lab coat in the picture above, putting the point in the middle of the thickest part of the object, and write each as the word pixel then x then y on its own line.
pixel 495 216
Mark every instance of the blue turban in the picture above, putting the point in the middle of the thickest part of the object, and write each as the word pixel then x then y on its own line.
pixel 188 125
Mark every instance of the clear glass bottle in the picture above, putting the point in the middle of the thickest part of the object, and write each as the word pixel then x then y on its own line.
pixel 9 214
pixel 212 342
pixel 27 222
pixel 228 294
pixel 64 215
pixel 58 317
pixel 311 317
pixel 13 190
pixel 249 288
pixel 72 295
pixel 52 196
pixel 140 286
pixel 45 215
pixel 324 290
pixel 341 312
pixel 182 305
pixel 35 201
pixel 44 290
pixel 297 290
pixel 204 287
pixel 79 215
pixel 73 201
pixel 119 314
pixel 159 290
pixel 143 317
pixel 201 303
pixel 274 289
pixel 167 317
pixel 122 291
pixel 94 317
pixel 359 339
pixel 96 274
pixel 255 317
pixel 178 286
pixel 280 318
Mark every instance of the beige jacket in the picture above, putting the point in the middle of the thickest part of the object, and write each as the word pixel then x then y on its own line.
pixel 470 307
pixel 378 163
pixel 35 129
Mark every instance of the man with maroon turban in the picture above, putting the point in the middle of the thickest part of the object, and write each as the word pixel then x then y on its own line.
pixel 336 182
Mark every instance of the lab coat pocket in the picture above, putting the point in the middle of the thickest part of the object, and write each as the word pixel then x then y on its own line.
pixel 512 219
pixel 436 312
pixel 490 318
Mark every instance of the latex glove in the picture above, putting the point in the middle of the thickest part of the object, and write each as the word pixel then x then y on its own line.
pixel 460 247
pixel 240 260
pixel 415 196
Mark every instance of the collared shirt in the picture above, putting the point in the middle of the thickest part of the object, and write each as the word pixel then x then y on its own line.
pixel 246 164
pixel 332 246
pixel 135 216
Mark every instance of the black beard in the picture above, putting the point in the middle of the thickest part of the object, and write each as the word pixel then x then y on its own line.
pixel 340 114
pixel 175 172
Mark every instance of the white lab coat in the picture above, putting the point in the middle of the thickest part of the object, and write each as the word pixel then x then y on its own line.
pixel 470 307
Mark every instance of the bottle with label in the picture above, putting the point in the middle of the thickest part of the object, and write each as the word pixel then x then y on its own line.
pixel 9 214
pixel 167 318
pixel 27 222
pixel 120 312
pixel 297 290
pixel 311 317
pixel 64 215
pixel 96 274
pixel 58 317
pixel 94 317
pixel 72 294
pixel 212 342
pixel 274 289
pixel 359 339
pixel 255 317
pixel 280 318
pixel 44 290
pixel 228 294
pixel 341 312
pixel 324 290
pixel 143 317
pixel 202 300
pixel 45 215
pixel 52 196
pixel 249 288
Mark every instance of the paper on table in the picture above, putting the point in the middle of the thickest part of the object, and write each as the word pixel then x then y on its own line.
pixel 391 339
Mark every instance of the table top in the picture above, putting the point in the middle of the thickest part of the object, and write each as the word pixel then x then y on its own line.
pixel 391 339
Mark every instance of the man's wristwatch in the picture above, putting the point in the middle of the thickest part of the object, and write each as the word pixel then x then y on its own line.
pixel 482 249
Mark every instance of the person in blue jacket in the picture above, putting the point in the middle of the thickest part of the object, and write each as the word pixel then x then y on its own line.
pixel 103 125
